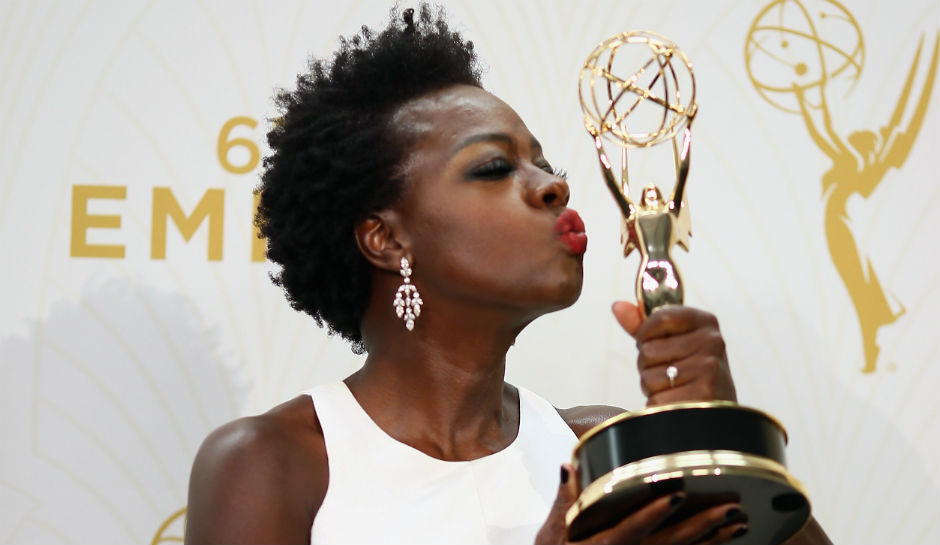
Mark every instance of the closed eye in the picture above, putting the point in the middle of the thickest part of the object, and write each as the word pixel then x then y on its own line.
pixel 495 169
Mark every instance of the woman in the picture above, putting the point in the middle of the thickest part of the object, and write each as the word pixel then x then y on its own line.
pixel 414 214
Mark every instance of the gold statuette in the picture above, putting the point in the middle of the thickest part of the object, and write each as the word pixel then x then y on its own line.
pixel 637 90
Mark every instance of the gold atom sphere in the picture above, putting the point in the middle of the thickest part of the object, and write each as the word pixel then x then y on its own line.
pixel 637 89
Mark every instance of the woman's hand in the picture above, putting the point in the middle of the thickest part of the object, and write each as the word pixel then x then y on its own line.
pixel 689 340
pixel 714 525
pixel 682 337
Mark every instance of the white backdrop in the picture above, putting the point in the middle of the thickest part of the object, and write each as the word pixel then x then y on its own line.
pixel 113 369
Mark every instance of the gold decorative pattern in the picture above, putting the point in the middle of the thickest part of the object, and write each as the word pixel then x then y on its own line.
pixel 163 533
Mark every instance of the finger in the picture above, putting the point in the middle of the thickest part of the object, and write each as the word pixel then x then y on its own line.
pixel 688 386
pixel 673 320
pixel 555 530
pixel 702 369
pixel 705 340
pixel 567 489
pixel 655 380
pixel 705 526
pixel 639 524
pixel 700 377
pixel 725 534
pixel 690 392
pixel 628 316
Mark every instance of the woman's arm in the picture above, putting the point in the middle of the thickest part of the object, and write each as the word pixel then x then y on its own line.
pixel 259 479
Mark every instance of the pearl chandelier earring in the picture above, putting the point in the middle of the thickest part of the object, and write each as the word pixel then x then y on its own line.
pixel 407 300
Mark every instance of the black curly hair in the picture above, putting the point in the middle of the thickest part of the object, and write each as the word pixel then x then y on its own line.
pixel 334 158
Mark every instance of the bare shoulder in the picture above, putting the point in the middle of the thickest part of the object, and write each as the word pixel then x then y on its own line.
pixel 259 479
pixel 584 417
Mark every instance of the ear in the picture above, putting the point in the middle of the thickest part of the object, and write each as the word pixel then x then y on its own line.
pixel 378 238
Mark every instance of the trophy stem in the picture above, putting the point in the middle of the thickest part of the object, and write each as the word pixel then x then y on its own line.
pixel 682 168
pixel 623 201
pixel 624 173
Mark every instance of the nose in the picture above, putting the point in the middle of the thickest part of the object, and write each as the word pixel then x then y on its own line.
pixel 550 191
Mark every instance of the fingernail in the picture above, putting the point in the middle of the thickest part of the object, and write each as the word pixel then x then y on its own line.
pixel 739 532
pixel 564 475
pixel 732 513
pixel 676 499
pixel 710 535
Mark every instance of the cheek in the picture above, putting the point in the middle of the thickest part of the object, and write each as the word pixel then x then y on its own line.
pixel 500 254
pixel 469 239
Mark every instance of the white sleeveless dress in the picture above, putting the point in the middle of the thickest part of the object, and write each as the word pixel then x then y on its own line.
pixel 382 491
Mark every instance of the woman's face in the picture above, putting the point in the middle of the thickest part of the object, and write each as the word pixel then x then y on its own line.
pixel 481 207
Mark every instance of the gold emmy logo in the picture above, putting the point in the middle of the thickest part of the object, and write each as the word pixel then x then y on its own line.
pixel 171 530
pixel 792 65
pixel 231 151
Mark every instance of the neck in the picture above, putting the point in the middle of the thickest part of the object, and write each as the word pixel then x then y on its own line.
pixel 440 388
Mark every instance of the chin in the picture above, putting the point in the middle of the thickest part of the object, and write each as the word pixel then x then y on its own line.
pixel 545 293
pixel 567 293
pixel 575 295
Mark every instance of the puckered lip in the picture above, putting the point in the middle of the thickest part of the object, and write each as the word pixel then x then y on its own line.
pixel 569 222
pixel 569 229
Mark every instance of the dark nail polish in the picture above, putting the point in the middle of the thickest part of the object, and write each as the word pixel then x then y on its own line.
pixel 676 499
pixel 734 512
pixel 739 532
pixel 564 475
pixel 710 535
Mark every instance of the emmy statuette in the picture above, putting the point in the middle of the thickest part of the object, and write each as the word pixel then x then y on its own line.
pixel 637 90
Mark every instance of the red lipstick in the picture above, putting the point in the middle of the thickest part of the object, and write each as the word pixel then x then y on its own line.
pixel 569 228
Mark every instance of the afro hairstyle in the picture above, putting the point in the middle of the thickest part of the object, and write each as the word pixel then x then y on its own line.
pixel 335 155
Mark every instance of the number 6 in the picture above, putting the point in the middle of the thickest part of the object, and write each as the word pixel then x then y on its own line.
pixel 225 144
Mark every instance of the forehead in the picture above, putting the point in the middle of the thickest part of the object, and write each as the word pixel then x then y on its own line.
pixel 446 118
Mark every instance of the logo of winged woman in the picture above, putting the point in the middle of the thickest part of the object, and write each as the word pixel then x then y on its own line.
pixel 787 34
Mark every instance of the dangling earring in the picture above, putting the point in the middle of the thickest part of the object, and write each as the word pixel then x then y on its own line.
pixel 407 300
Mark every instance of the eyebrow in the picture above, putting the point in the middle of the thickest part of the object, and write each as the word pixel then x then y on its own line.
pixel 492 137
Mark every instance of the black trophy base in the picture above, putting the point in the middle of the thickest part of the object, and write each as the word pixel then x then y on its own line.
pixel 715 452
